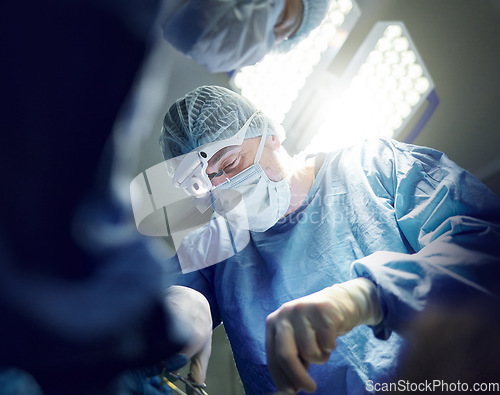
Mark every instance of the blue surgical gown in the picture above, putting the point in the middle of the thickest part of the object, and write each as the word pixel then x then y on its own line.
pixel 404 216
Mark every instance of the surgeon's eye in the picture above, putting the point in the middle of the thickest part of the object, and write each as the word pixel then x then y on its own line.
pixel 226 169
pixel 230 166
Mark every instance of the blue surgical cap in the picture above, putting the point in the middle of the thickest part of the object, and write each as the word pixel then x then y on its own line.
pixel 206 115
pixel 314 13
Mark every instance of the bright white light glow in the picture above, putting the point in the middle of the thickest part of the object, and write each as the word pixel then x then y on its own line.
pixel 273 84
pixel 383 93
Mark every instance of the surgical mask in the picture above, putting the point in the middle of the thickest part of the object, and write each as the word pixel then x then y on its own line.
pixel 251 198
pixel 223 35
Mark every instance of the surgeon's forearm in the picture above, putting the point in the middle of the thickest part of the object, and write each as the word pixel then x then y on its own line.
pixel 358 300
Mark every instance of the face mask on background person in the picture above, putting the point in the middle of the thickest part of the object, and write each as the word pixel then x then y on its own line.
pixel 223 35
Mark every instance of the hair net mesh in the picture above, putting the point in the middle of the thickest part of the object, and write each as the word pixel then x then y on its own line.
pixel 206 115
pixel 314 13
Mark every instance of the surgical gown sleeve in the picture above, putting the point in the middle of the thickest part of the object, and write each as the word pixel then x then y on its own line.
pixel 446 216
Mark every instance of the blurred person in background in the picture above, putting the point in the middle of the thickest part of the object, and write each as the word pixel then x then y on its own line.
pixel 226 35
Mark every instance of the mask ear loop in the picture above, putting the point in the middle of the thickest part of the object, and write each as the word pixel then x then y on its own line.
pixel 261 145
pixel 261 148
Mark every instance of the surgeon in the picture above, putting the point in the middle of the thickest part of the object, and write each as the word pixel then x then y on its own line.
pixel 345 248
pixel 226 35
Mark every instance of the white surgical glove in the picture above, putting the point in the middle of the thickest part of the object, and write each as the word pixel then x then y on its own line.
pixel 192 309
pixel 304 330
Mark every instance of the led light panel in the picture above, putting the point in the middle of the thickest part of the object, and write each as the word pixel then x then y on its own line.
pixel 388 83
pixel 274 83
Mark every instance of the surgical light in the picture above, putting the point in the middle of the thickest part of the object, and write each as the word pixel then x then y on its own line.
pixel 274 83
pixel 388 83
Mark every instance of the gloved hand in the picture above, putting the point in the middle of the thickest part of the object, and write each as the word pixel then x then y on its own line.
pixel 304 330
pixel 192 309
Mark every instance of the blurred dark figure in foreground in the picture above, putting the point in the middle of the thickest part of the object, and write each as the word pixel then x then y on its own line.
pixel 453 349
pixel 81 298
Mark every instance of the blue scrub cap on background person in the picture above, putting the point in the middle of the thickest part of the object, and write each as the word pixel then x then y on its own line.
pixel 314 13
pixel 209 114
